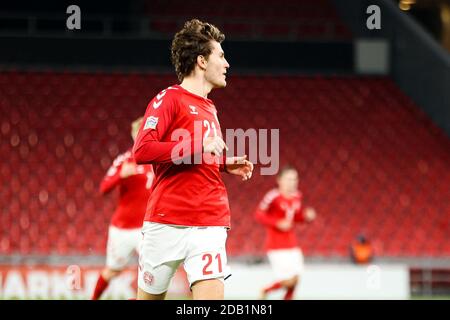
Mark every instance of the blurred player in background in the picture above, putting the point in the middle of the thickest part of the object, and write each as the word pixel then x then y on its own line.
pixel 188 214
pixel 134 182
pixel 279 210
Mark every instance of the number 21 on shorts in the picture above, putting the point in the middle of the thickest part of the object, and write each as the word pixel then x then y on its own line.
pixel 209 266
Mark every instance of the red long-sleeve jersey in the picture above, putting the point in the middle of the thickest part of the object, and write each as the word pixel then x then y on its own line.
pixel 134 192
pixel 191 194
pixel 275 207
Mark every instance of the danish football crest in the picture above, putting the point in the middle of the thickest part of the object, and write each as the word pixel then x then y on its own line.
pixel 148 278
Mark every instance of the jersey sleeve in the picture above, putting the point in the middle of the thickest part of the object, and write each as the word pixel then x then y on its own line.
pixel 111 179
pixel 159 116
pixel 262 211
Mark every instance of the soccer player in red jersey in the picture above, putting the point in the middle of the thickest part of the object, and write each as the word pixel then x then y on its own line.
pixel 279 210
pixel 134 182
pixel 188 214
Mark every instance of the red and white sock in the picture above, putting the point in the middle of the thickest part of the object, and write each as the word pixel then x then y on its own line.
pixel 100 287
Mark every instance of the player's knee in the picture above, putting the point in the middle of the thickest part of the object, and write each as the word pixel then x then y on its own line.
pixel 142 295
pixel 292 282
pixel 295 280
pixel 208 289
pixel 209 284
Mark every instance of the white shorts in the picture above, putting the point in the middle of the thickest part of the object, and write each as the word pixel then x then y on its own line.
pixel 122 244
pixel 164 247
pixel 286 263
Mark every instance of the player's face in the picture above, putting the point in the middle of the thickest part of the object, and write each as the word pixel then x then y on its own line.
pixel 289 181
pixel 217 66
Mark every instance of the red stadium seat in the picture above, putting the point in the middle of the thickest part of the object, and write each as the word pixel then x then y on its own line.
pixel 369 160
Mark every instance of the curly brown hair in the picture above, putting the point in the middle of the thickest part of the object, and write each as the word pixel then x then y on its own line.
pixel 190 42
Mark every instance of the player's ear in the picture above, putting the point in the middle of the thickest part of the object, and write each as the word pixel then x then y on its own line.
pixel 202 62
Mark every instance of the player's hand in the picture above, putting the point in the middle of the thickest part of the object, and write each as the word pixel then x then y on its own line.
pixel 214 145
pixel 284 224
pixel 310 214
pixel 239 166
pixel 128 169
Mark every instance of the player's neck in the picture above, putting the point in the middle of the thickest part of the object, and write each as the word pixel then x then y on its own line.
pixel 196 85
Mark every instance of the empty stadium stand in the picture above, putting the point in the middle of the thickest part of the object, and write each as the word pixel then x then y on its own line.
pixel 299 19
pixel 369 160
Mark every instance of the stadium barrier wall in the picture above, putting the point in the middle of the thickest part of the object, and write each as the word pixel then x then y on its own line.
pixel 72 283
pixel 320 281
pixel 325 281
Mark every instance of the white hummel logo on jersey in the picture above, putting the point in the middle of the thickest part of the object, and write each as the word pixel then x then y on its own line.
pixel 290 210
pixel 193 109
pixel 160 95
pixel 156 104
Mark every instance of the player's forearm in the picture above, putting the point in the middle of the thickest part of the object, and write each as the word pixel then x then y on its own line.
pixel 109 184
pixel 153 152
pixel 165 152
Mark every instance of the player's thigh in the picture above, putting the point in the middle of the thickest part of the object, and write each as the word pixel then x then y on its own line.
pixel 120 247
pixel 142 295
pixel 162 249
pixel 207 258
pixel 155 280
pixel 211 289
pixel 134 239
